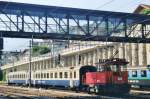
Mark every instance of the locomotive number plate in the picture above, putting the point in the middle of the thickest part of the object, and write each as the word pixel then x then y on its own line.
pixel 119 78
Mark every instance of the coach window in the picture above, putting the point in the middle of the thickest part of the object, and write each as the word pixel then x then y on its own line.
pixel 51 75
pixel 65 75
pixel 70 75
pixel 39 76
pixel 74 74
pixel 143 73
pixel 128 74
pixel 36 75
pixel 134 73
pixel 55 75
pixel 47 75
pixel 60 75
pixel 42 75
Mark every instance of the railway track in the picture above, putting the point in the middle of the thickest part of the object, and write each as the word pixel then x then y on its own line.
pixel 12 92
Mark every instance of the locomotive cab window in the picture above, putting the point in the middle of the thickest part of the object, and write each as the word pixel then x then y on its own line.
pixel 143 73
pixel 134 73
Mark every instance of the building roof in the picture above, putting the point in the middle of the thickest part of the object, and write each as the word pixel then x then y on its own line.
pixel 141 7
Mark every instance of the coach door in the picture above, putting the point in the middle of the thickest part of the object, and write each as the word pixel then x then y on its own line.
pixel 71 77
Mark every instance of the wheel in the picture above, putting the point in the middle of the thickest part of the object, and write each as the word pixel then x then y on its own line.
pixel 77 90
pixel 89 90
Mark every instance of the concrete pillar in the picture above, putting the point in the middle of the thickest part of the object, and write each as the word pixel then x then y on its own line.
pixel 48 63
pixel 122 50
pixel 116 49
pixel 86 58
pixel 94 57
pixel 99 54
pixel 135 57
pixel 34 66
pixel 82 59
pixel 45 64
pixel 89 58
pixel 40 65
pixel 128 53
pixel 110 52
pixel 66 61
pixel 104 53
pixel 148 53
pixel 70 61
pixel 77 59
pixel 52 61
pixel 74 61
pixel 142 54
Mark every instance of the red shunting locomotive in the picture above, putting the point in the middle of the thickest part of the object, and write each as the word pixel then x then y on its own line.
pixel 111 77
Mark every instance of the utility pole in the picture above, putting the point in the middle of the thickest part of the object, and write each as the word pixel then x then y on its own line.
pixel 30 59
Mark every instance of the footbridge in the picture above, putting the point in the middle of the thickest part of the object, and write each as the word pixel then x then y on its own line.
pixel 19 20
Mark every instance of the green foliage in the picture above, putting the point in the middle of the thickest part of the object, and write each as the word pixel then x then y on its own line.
pixel 36 50
pixel 146 11
pixel 1 75
pixel 4 75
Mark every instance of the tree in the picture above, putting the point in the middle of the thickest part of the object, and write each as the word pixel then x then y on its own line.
pixel 146 11
pixel 36 50
pixel 1 75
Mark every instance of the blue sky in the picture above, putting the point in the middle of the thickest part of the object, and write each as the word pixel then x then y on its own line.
pixel 113 5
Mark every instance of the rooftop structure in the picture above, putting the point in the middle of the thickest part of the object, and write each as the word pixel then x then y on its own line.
pixel 141 8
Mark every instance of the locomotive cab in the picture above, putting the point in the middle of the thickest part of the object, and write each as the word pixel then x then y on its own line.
pixel 111 76
pixel 116 68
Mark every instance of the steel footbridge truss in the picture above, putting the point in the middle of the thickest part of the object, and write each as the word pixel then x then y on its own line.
pixel 21 20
